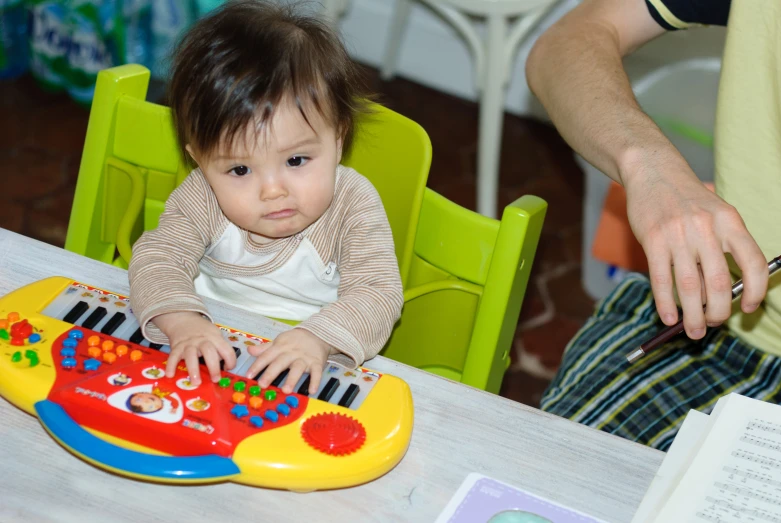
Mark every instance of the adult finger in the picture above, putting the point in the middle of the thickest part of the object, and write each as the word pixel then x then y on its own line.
pixel 687 281
pixel 661 277
pixel 717 283
pixel 753 267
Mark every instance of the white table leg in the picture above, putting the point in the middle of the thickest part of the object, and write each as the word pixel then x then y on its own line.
pixel 398 24
pixel 491 116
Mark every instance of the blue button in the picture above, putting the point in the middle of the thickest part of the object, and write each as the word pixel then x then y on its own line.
pixel 292 401
pixel 67 353
pixel 283 409
pixel 76 334
pixel 240 411
pixel 70 343
pixel 91 364
pixel 34 338
pixel 69 363
pixel 271 416
pixel 257 421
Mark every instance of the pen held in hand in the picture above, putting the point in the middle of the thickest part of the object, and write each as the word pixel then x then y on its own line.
pixel 673 330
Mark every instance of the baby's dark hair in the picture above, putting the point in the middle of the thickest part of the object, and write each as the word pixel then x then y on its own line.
pixel 234 67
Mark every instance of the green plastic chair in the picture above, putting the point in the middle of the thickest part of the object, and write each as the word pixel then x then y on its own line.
pixel 464 275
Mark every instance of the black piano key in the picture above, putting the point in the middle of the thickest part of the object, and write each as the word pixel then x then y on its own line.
pixel 137 337
pixel 113 324
pixel 349 395
pixel 279 379
pixel 156 346
pixel 329 389
pixel 237 351
pixel 259 374
pixel 94 318
pixel 76 312
pixel 304 388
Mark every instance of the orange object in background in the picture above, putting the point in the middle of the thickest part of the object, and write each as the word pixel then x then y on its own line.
pixel 614 241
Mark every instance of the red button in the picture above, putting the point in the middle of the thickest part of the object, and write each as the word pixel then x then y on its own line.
pixel 333 433
pixel 15 340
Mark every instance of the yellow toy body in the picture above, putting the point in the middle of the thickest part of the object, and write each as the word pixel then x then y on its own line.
pixel 73 377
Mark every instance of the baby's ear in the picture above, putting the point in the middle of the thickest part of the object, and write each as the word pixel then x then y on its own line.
pixel 191 153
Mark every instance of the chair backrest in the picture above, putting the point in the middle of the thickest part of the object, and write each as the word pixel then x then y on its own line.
pixel 131 164
pixel 467 282
pixel 464 275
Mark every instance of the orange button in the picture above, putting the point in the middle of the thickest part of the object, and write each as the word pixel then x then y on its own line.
pixel 121 350
pixel 239 397
pixel 109 357
pixel 255 402
pixel 108 345
pixel 13 317
pixel 3 324
pixel 94 352
pixel 136 355
pixel 93 341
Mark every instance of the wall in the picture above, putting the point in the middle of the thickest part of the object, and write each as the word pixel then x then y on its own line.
pixel 434 54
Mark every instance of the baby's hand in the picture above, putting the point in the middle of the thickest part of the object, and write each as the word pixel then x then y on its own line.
pixel 298 350
pixel 190 335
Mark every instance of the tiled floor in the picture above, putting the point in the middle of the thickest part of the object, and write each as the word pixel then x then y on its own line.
pixel 41 137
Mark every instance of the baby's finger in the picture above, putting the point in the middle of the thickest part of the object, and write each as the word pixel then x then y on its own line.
pixel 257 350
pixel 226 353
pixel 211 358
pixel 174 358
pixel 315 375
pixel 193 368
pixel 261 362
pixel 280 363
pixel 296 370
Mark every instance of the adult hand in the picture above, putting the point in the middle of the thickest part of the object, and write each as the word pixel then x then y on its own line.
pixel 685 229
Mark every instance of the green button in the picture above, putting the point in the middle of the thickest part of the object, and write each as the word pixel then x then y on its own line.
pixel 30 354
pixel 270 395
pixel 17 357
pixel 4 334
pixel 254 390
pixel 224 382
pixel 239 386
pixel 33 360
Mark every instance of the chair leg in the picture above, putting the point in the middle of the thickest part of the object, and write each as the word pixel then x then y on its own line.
pixel 398 23
pixel 491 116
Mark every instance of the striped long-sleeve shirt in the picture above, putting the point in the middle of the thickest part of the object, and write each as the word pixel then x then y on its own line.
pixel 339 277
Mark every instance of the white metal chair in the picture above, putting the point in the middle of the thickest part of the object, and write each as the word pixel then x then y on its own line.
pixel 508 22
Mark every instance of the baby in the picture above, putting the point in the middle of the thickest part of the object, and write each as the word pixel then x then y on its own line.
pixel 264 101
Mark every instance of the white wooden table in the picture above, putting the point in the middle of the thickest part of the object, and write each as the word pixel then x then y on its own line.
pixel 458 430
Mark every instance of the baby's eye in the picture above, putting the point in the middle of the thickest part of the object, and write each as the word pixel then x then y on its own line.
pixel 297 161
pixel 240 170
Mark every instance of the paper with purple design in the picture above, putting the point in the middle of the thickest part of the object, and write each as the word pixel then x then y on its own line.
pixel 481 499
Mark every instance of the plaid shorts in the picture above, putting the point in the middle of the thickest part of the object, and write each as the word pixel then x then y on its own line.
pixel 647 401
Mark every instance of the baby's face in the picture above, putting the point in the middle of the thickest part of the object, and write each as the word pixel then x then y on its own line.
pixel 147 402
pixel 277 182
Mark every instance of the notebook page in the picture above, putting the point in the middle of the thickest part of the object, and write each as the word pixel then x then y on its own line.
pixel 679 455
pixel 736 475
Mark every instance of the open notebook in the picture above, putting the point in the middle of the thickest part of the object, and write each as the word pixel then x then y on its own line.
pixel 724 467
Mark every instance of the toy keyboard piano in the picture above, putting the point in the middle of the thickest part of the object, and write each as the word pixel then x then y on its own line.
pixel 74 356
